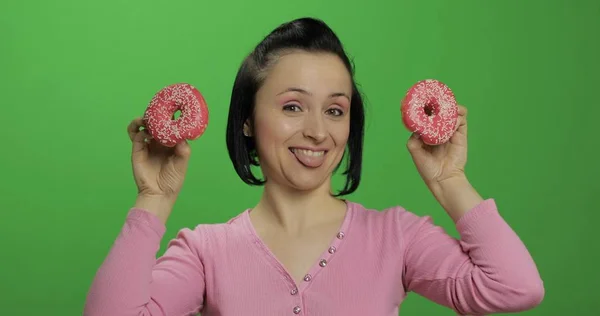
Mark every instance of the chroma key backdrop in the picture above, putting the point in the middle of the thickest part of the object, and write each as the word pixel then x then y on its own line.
pixel 73 74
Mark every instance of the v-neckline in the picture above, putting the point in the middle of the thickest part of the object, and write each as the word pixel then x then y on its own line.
pixel 324 260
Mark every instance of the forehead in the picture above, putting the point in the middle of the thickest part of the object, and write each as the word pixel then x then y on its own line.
pixel 320 73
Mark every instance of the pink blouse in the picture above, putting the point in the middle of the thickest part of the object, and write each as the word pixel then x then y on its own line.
pixel 368 268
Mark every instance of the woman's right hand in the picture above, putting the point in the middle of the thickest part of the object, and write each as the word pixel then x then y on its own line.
pixel 159 171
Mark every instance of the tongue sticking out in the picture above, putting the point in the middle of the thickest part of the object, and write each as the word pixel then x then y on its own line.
pixel 309 158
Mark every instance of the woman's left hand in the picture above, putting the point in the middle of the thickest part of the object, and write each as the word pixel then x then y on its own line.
pixel 442 167
pixel 439 163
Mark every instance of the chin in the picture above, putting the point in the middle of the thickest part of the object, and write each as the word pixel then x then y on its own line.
pixel 304 178
pixel 306 182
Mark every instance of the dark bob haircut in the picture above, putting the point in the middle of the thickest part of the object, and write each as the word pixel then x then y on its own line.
pixel 306 34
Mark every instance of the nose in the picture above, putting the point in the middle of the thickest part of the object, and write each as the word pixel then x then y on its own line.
pixel 315 127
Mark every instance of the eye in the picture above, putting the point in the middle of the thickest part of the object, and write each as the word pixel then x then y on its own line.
pixel 291 107
pixel 335 112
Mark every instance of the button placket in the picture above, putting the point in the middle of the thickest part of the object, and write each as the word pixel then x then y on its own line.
pixel 296 309
pixel 323 262
pixel 332 249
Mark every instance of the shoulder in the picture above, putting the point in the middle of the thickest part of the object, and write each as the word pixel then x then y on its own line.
pixel 395 215
pixel 394 221
pixel 205 236
pixel 409 225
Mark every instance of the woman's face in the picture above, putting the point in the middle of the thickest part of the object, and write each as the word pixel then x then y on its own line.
pixel 301 119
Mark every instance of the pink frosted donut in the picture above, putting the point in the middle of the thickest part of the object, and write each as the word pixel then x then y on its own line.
pixel 159 117
pixel 430 110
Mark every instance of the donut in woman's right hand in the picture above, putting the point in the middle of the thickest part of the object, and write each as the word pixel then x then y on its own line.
pixel 159 117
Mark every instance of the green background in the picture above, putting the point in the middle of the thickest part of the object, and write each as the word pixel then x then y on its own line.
pixel 74 73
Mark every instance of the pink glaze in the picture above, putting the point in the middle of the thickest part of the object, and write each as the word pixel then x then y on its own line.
pixel 159 116
pixel 430 110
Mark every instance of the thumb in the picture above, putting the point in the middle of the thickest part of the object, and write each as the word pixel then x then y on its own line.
pixel 183 152
pixel 139 142
pixel 414 143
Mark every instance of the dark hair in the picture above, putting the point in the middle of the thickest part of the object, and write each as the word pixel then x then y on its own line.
pixel 307 34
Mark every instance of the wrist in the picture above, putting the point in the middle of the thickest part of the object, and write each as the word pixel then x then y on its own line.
pixel 457 196
pixel 159 206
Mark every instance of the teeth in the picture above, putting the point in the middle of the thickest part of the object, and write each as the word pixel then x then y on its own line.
pixel 308 152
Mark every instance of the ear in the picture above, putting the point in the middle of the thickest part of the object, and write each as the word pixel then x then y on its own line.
pixel 247 128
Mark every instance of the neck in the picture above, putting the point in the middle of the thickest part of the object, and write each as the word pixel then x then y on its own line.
pixel 294 210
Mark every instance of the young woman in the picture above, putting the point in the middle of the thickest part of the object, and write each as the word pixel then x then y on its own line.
pixel 302 249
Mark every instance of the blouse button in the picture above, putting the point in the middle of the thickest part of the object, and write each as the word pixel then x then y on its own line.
pixel 294 291
pixel 297 310
pixel 332 250
pixel 323 263
pixel 307 278
pixel 340 235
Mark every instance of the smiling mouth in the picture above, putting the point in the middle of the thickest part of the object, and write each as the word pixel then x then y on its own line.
pixel 307 152
pixel 309 158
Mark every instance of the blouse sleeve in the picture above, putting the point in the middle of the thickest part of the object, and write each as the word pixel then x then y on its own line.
pixel 131 281
pixel 488 270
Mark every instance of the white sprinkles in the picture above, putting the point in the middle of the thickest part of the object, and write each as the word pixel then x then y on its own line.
pixel 190 125
pixel 430 94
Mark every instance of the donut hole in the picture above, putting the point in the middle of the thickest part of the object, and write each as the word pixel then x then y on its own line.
pixel 177 115
pixel 430 108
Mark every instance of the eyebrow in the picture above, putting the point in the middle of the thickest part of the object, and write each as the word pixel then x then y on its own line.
pixel 300 90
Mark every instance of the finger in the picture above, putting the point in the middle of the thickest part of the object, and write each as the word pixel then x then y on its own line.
pixel 460 137
pixel 462 125
pixel 141 141
pixel 183 149
pixel 417 149
pixel 181 156
pixel 414 142
pixel 462 111
pixel 134 127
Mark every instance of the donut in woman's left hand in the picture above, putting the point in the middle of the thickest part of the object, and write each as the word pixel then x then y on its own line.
pixel 429 109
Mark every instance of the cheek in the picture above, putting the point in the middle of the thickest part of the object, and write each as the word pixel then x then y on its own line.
pixel 273 131
pixel 340 135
